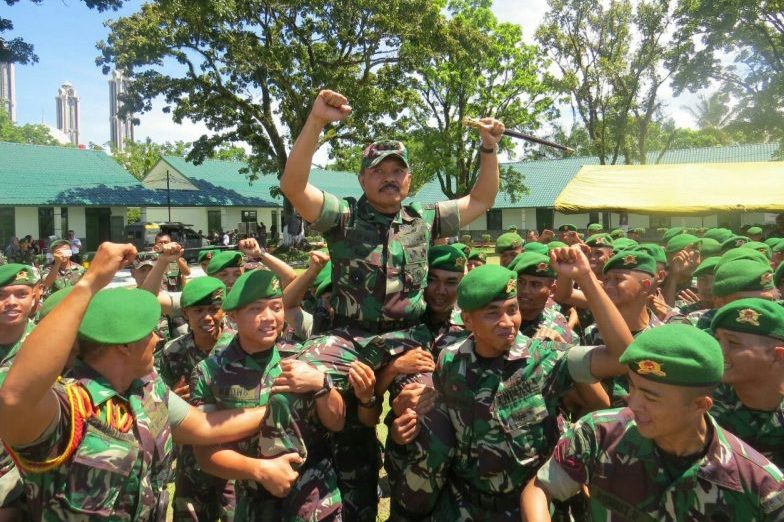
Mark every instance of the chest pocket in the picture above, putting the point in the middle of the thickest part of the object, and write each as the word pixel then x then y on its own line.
pixel 237 389
pixel 415 245
pixel 99 470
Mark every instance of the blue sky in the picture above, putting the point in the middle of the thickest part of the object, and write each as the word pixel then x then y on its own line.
pixel 65 32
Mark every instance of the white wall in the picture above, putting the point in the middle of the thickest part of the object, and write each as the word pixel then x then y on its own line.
pixel 479 223
pixel 77 222
pixel 197 216
pixel 26 221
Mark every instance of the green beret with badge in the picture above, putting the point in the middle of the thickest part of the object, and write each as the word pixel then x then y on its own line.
pixel 102 323
pixel 707 267
pixel 600 240
pixel 617 233
pixel 636 260
pixel 377 152
pixel 206 255
pixel 744 253
pixel 447 257
pixel 533 264
pixel 719 234
pixel 656 251
pixel 734 242
pixel 751 315
pixel 477 255
pixel 760 247
pixel 223 260
pixel 681 242
pixel 465 249
pixel 536 246
pixel 594 228
pixel 252 286
pixel 14 274
pixel 203 291
pixel 567 228
pixel 709 247
pixel 624 243
pixel 676 354
pixel 671 233
pixel 754 231
pixel 741 275
pixel 508 241
pixel 485 284
pixel 52 301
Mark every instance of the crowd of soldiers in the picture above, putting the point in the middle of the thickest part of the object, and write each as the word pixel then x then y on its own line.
pixel 583 378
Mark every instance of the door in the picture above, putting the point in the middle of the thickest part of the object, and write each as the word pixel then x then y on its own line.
pixel 116 231
pixel 545 217
pixel 7 225
pixel 98 227
pixel 214 222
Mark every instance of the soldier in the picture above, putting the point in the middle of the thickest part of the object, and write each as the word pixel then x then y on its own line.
pixel 594 228
pixel 664 457
pixel 226 266
pixel 98 444
pixel 205 256
pixel 248 373
pixel 63 271
pixel 541 317
pixel 750 400
pixel 508 246
pixel 498 400
pixel 317 278
pixel 754 233
pixel 601 252
pixel 475 259
pixel 688 301
pixel 568 234
pixel 683 258
pixel 618 233
pixel 733 242
pixel 636 234
pixel 197 496
pixel 19 295
pixel 177 271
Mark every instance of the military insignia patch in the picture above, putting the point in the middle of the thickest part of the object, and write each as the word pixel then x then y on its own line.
pixel 275 285
pixel 629 260
pixel 650 367
pixel 766 278
pixel 748 316
pixel 22 275
pixel 740 242
pixel 511 286
pixel 600 241
pixel 217 295
pixel 541 267
pixel 460 262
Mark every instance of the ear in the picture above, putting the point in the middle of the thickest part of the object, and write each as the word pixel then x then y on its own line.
pixel 184 313
pixel 703 403
pixel 778 353
pixel 466 317
pixel 124 349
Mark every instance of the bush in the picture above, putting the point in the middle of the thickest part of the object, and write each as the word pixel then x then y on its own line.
pixel 486 239
pixel 466 239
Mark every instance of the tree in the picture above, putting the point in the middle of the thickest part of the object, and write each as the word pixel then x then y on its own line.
pixel 138 157
pixel 16 50
pixel 611 59
pixel 472 65
pixel 751 35
pixel 29 133
pixel 250 69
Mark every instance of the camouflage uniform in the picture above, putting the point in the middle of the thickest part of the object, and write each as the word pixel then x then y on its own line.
pixel 26 257
pixel 106 473
pixel 762 430
pixel 701 318
pixel 490 432
pixel 198 496
pixel 628 478
pixel 232 378
pixel 67 276
pixel 10 481
pixel 552 318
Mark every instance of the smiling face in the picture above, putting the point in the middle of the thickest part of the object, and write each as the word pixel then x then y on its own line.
pixel 259 323
pixel 749 358
pixel 532 294
pixel 597 258
pixel 204 320
pixel 16 304
pixel 229 275
pixel 387 184
pixel 441 290
pixel 495 326
pixel 626 287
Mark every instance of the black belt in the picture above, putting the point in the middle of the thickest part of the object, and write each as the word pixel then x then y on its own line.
pixel 488 501
pixel 372 327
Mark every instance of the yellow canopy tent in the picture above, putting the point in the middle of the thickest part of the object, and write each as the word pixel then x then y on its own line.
pixel 680 189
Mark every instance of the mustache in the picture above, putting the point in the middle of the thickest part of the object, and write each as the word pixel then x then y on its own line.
pixel 390 184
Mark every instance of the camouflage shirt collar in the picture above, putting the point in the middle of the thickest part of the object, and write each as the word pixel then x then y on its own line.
pixel 235 353
pixel 99 389
pixel 8 352
pixel 368 213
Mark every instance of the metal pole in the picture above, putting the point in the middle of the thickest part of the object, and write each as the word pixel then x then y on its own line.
pixel 168 194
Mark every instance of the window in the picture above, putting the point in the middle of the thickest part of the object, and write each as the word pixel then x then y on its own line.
pixel 214 221
pixel 660 222
pixel 494 221
pixel 7 225
pixel 248 216
pixel 45 222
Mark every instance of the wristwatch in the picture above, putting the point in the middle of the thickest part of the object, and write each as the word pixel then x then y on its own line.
pixel 371 403
pixel 326 387
pixel 486 150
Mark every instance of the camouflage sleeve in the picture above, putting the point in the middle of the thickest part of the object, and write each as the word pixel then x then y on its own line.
pixel 163 366
pixel 447 219
pixel 201 392
pixel 280 427
pixel 572 458
pixel 54 441
pixel 329 217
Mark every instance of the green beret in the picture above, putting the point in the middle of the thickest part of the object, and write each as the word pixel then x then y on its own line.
pixel 536 246
pixel 638 230
pixel 741 275
pixel 778 247
pixel 556 244
pixel 324 275
pixel 14 274
pixel 618 233
pixel 567 228
pixel 225 259
pixel 632 260
pixel 753 231
pixel 676 354
pixel 206 255
pixel 707 267
pixel 324 286
pixel 203 291
pixel 485 284
pixel 508 241
pixel 477 255
pixel 447 257
pixel 709 247
pixel 656 251
pixel 52 301
pixel 624 243
pixel 719 234
pixel 734 242
pixel 671 233
pixel 103 324
pixel 744 253
pixel 760 247
pixel 777 275
pixel 533 264
pixel 465 249
pixel 54 243
pixel 772 241
pixel 252 286
pixel 594 228
pixel 681 242
pixel 751 315
pixel 600 240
